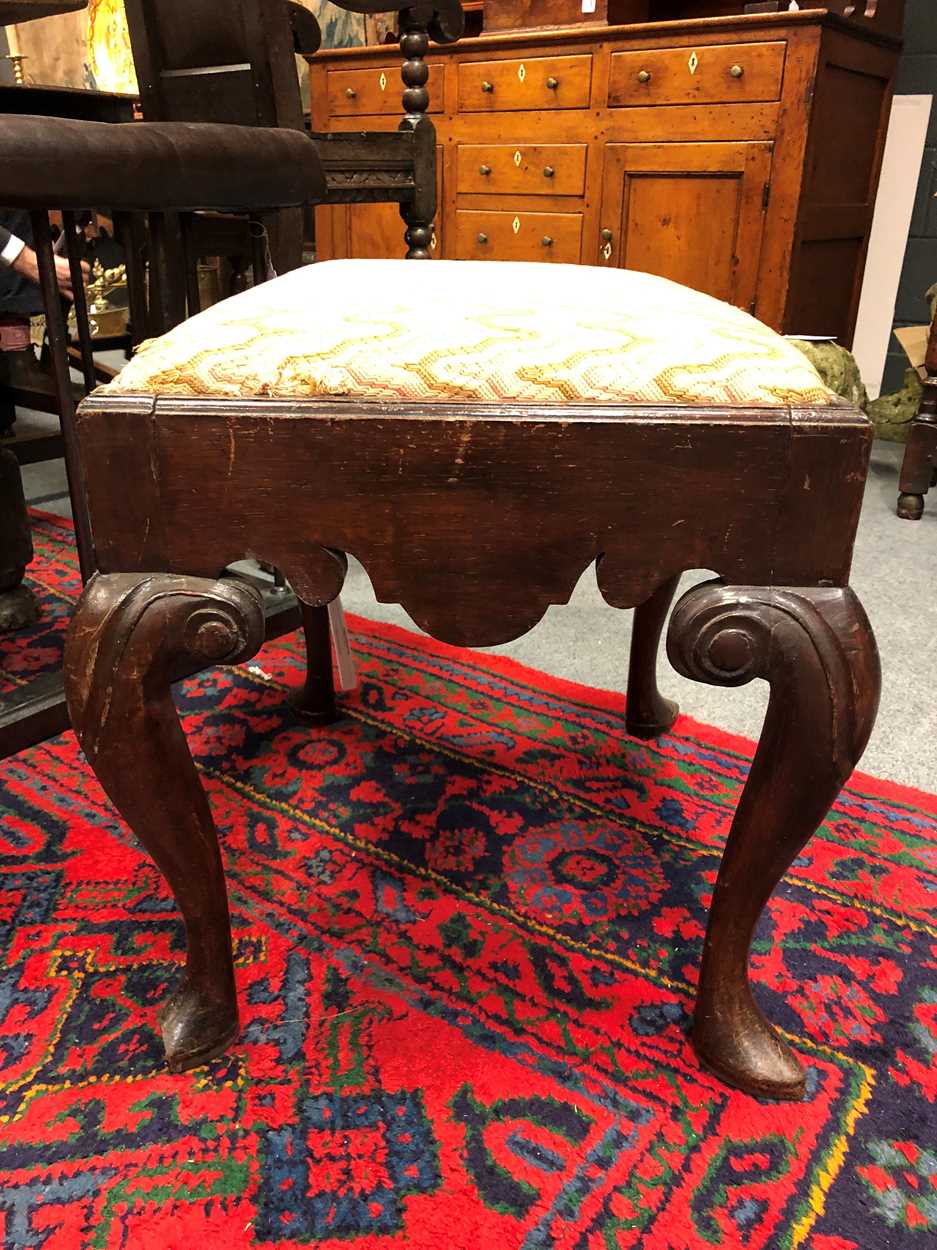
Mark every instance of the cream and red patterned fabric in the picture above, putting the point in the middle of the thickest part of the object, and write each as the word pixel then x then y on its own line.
pixel 476 331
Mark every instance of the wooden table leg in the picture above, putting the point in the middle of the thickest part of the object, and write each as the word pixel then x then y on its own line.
pixel 647 713
pixel 130 635
pixel 316 700
pixel 917 469
pixel 816 650
pixel 18 605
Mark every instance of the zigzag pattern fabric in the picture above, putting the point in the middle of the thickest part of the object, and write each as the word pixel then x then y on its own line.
pixel 476 331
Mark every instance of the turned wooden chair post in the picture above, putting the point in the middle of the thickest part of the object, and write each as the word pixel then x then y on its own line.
pixel 919 467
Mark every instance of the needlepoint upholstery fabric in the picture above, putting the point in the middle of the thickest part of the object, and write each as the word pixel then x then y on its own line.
pixel 478 331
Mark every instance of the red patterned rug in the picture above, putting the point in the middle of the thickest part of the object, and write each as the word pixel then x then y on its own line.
pixel 468 920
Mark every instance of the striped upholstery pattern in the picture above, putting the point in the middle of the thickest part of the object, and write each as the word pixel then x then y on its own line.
pixel 476 331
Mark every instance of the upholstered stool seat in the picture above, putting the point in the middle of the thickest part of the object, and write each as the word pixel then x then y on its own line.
pixel 479 435
pixel 474 331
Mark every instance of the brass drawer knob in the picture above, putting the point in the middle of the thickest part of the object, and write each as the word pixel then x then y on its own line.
pixel 548 171
pixel 350 92
pixel 644 75
pixel 553 83
pixel 482 237
pixel 607 235
pixel 547 241
pixel 485 170
pixel 736 71
pixel 488 86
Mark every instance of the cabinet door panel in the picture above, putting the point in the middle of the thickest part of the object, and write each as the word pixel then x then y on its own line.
pixel 691 212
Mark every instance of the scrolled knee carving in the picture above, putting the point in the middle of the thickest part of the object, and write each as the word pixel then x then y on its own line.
pixel 729 635
pixel 815 648
pixel 724 635
pixel 132 635
pixel 156 627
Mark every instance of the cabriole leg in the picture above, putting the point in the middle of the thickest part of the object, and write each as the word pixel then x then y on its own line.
pixel 647 712
pixel 131 636
pixel 316 700
pixel 816 650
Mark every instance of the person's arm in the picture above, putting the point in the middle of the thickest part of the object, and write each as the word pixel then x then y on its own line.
pixel 18 255
pixel 10 246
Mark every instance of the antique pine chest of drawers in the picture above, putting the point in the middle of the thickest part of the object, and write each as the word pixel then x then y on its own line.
pixel 738 155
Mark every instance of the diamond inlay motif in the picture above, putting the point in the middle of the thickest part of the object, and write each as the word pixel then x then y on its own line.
pixel 693 62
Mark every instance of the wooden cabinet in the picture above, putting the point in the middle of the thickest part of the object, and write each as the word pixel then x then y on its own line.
pixel 738 155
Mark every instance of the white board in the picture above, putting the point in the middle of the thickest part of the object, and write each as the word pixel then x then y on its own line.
pixel 901 166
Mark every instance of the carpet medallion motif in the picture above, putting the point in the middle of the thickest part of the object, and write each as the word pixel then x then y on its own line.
pixel 468 920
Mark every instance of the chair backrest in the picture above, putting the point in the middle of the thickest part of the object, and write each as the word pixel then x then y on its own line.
pixel 200 60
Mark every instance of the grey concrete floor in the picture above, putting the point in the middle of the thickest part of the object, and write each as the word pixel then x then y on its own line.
pixel 895 575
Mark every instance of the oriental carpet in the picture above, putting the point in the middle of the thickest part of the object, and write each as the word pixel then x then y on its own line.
pixel 468 920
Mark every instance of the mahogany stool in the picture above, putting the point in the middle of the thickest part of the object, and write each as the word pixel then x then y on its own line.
pixel 478 434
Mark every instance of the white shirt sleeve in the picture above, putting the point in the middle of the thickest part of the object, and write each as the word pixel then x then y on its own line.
pixel 13 248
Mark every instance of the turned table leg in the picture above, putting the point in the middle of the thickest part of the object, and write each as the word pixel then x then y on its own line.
pixel 647 712
pixel 917 468
pixel 130 637
pixel 816 650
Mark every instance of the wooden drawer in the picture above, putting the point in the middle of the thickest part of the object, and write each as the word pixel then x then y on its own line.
pixel 369 92
pixel 724 73
pixel 528 169
pixel 489 235
pixel 540 82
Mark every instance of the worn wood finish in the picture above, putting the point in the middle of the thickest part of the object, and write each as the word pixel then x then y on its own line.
pixel 527 169
pixel 476 523
pixel 647 713
pixel 725 73
pixel 371 92
pixel 919 467
pixel 656 196
pixel 815 649
pixel 341 450
pixel 126 640
pixel 316 700
pixel 796 102
pixel 519 236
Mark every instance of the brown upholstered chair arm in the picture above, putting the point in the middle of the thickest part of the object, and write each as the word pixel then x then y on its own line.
pixel 51 162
